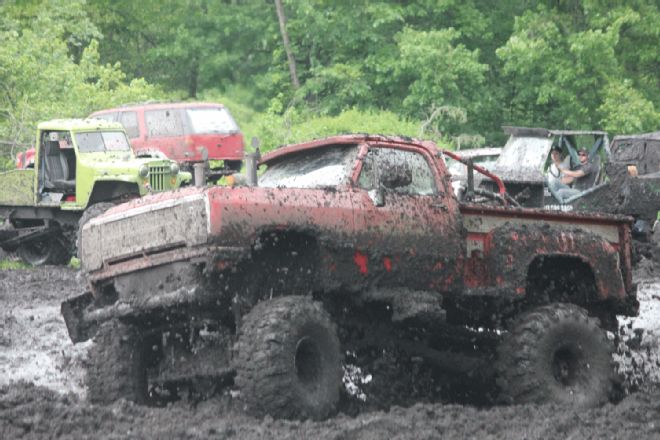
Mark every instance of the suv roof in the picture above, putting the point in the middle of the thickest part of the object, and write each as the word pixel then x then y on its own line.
pixel 162 105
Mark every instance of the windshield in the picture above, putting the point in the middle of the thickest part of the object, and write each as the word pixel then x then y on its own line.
pixel 97 141
pixel 211 121
pixel 318 168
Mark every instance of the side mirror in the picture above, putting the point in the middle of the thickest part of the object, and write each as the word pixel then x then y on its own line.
pixel 396 175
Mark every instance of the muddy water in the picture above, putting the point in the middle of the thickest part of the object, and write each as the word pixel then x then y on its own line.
pixel 42 393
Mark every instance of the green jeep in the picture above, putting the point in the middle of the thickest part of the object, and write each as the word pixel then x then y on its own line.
pixel 80 168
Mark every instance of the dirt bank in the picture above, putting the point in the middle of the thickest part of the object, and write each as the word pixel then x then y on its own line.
pixel 42 393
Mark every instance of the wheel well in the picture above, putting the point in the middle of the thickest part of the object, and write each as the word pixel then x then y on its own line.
pixel 560 279
pixel 288 259
pixel 281 263
pixel 106 191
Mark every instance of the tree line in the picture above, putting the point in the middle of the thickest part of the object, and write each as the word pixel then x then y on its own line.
pixel 450 70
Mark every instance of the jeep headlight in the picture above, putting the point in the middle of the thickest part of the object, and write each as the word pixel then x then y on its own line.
pixel 174 168
pixel 143 171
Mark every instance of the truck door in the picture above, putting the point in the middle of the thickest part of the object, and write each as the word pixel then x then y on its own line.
pixel 407 225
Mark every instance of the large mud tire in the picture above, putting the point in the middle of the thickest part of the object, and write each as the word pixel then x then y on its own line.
pixel 556 354
pixel 116 367
pixel 91 212
pixel 47 251
pixel 288 360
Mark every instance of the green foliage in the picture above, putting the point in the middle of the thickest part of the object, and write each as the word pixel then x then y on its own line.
pixel 40 78
pixel 566 67
pixel 442 69
pixel 74 263
pixel 274 130
pixel 625 110
pixel 12 264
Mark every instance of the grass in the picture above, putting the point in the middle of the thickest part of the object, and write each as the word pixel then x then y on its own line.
pixel 10 264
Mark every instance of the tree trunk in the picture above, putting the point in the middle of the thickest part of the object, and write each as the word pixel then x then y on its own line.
pixel 194 75
pixel 287 46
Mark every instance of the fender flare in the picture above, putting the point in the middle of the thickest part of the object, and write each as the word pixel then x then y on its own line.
pixel 513 249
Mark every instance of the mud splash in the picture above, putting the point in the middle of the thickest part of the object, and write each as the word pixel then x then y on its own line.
pixel 41 392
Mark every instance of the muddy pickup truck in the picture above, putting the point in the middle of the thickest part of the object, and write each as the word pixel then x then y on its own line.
pixel 351 249
pixel 77 169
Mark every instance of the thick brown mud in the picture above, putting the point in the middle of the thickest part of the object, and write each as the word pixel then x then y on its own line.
pixel 42 393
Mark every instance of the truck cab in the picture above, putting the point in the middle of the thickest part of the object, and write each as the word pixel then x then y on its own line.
pixel 77 164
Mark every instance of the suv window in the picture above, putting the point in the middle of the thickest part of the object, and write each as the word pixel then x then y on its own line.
pixel 130 122
pixel 211 121
pixel 163 123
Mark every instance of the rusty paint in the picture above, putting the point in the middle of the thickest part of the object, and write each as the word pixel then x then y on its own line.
pixel 387 264
pixel 361 261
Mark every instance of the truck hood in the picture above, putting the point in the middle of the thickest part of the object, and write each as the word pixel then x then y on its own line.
pixel 158 222
pixel 522 159
pixel 216 215
pixel 120 161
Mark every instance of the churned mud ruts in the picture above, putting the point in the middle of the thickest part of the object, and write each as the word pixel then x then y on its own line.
pixel 42 393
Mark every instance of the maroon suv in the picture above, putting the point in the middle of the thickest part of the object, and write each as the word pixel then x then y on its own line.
pixel 188 132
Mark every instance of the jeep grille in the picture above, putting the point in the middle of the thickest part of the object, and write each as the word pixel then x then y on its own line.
pixel 159 178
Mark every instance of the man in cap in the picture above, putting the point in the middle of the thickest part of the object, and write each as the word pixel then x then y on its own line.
pixel 579 179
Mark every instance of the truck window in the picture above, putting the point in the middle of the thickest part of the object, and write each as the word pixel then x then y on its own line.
pixel 377 161
pixel 211 121
pixel 130 122
pixel 318 168
pixel 94 142
pixel 163 123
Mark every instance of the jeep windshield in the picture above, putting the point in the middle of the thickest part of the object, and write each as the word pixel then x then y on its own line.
pixel 211 121
pixel 317 168
pixel 102 141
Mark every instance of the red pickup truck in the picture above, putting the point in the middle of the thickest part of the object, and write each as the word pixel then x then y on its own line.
pixel 347 242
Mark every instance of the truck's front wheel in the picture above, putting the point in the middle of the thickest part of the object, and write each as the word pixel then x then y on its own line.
pixel 117 365
pixel 288 360
pixel 556 354
pixel 48 250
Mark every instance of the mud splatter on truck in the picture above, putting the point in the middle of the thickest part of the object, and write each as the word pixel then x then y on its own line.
pixel 352 250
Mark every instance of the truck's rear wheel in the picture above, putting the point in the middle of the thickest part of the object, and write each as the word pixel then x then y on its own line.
pixel 288 360
pixel 116 364
pixel 48 250
pixel 556 354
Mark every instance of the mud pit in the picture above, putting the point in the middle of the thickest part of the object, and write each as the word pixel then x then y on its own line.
pixel 42 393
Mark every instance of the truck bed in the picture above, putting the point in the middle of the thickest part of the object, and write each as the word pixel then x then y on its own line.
pixel 525 229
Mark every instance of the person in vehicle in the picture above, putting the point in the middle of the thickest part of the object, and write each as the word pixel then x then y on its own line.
pixel 576 180
pixel 557 164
